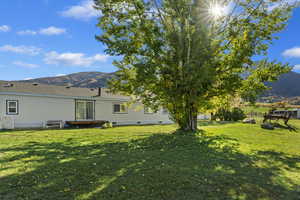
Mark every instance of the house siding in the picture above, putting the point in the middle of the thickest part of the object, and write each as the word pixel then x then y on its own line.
pixel 135 114
pixel 34 111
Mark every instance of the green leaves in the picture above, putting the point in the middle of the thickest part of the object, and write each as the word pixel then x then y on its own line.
pixel 176 55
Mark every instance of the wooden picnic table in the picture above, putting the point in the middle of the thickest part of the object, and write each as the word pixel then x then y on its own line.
pixel 285 117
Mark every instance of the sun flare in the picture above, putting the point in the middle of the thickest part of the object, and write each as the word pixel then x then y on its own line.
pixel 217 11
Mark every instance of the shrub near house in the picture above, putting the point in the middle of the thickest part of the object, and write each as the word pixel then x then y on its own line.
pixel 236 114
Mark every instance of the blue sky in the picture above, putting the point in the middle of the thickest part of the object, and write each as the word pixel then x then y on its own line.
pixel 40 38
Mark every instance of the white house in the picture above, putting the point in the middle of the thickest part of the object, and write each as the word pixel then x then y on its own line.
pixel 27 105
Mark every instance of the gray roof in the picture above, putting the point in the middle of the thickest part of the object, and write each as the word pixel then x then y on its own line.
pixel 42 89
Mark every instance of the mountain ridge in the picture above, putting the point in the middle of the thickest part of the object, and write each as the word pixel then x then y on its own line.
pixel 80 79
pixel 286 86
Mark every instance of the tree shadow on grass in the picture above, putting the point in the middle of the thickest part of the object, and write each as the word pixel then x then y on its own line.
pixel 289 127
pixel 162 166
pixel 214 123
pixel 289 161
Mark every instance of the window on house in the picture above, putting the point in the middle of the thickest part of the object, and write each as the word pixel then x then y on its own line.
pixel 148 110
pixel 12 107
pixel 84 110
pixel 120 108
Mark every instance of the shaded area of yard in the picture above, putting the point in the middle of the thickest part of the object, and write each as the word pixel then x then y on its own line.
pixel 148 163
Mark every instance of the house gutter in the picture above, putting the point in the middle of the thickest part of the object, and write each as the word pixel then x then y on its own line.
pixel 65 97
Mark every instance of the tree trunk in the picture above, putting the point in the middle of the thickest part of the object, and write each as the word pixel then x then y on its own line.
pixel 189 120
pixel 192 121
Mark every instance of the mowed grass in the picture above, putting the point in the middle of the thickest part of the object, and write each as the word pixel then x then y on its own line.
pixel 256 109
pixel 223 161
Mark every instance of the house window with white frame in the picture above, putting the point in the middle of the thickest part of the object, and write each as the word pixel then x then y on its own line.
pixel 120 108
pixel 12 107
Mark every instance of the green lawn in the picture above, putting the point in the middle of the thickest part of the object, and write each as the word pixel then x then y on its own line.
pixel 228 161
pixel 256 109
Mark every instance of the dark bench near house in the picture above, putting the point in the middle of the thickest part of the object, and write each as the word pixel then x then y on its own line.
pixel 54 124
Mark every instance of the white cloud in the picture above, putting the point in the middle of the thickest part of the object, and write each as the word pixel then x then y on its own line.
pixel 27 32
pixel 100 57
pixel 58 75
pixel 293 52
pixel 4 28
pixel 52 30
pixel 283 3
pixel 296 67
pixel 29 78
pixel 28 50
pixel 84 11
pixel 73 59
pixel 23 64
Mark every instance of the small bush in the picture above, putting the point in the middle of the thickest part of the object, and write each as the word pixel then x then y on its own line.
pixel 223 115
pixel 107 125
pixel 235 114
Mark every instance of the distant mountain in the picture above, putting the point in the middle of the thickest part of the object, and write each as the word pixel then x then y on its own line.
pixel 81 79
pixel 288 84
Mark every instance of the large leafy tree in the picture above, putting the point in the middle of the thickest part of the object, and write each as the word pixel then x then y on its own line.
pixel 180 54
